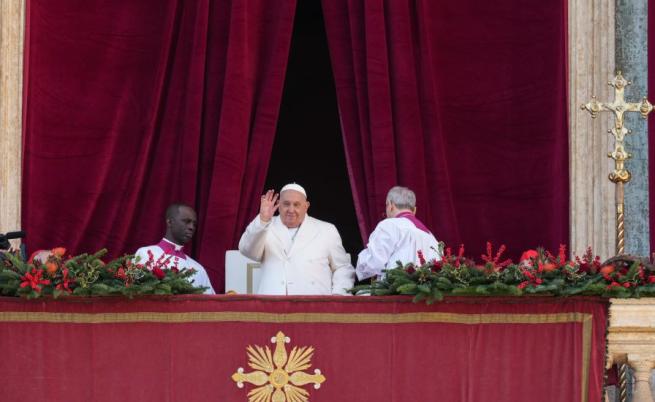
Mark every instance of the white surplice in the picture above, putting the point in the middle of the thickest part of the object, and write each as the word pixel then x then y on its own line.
pixel 393 240
pixel 199 279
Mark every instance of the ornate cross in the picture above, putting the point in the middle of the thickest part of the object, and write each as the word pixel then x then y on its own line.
pixel 620 175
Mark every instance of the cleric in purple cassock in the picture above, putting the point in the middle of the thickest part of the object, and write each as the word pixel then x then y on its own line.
pixel 181 222
pixel 399 238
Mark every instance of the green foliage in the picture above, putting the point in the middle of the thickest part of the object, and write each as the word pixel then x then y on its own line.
pixel 539 273
pixel 88 275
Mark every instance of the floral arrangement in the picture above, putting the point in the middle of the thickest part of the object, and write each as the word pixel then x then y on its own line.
pixel 53 274
pixel 538 273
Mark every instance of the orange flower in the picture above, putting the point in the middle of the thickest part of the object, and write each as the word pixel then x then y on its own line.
pixel 51 268
pixel 549 267
pixel 607 269
pixel 58 251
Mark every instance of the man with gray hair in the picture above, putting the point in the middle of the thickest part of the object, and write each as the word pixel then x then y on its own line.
pixel 300 255
pixel 399 238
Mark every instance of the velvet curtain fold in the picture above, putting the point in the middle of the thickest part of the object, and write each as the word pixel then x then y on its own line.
pixel 131 105
pixel 464 102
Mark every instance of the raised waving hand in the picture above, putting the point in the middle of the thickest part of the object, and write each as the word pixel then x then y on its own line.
pixel 268 205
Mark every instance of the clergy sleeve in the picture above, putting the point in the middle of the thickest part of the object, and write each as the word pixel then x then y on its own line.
pixel 253 240
pixel 142 255
pixel 201 279
pixel 373 259
pixel 343 273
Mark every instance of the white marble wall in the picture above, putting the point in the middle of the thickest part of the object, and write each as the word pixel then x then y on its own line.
pixel 591 65
pixel 12 17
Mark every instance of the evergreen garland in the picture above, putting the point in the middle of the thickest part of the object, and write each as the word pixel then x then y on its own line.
pixel 89 275
pixel 538 273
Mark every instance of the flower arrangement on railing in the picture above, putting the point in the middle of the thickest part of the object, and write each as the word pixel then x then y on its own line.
pixel 538 273
pixel 52 274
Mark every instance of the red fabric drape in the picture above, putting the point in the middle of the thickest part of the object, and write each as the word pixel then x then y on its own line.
pixel 464 102
pixel 132 105
pixel 369 349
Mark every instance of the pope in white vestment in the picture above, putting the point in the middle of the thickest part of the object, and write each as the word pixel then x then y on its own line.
pixel 397 239
pixel 299 255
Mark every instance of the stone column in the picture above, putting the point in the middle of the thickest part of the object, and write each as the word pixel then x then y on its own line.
pixel 591 65
pixel 632 61
pixel 643 366
pixel 12 24
pixel 631 340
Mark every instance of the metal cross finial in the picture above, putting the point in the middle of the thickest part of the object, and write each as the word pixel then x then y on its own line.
pixel 620 175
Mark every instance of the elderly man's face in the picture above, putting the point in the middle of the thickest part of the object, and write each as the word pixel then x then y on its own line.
pixel 293 208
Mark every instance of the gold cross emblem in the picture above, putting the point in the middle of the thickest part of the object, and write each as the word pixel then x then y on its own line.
pixel 278 376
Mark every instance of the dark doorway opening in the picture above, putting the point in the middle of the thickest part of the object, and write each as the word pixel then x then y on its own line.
pixel 308 147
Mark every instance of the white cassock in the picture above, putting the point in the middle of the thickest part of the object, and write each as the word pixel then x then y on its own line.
pixel 179 259
pixel 309 261
pixel 395 239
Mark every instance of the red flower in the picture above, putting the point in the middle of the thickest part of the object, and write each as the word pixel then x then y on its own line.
pixel 159 273
pixel 494 261
pixel 532 278
pixel 562 255
pixel 651 279
pixel 421 258
pixel 120 273
pixel 436 266
pixel 33 279
pixel 65 282
pixel 529 254
pixel 410 269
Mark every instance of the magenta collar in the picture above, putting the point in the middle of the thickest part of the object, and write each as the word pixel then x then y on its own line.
pixel 412 218
pixel 170 249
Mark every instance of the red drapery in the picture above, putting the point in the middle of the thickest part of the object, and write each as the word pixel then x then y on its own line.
pixel 132 105
pixel 465 102
pixel 368 348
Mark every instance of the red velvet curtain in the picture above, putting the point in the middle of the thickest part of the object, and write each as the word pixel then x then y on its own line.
pixel 465 102
pixel 131 105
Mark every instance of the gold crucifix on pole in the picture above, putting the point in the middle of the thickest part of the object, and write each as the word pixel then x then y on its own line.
pixel 620 176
